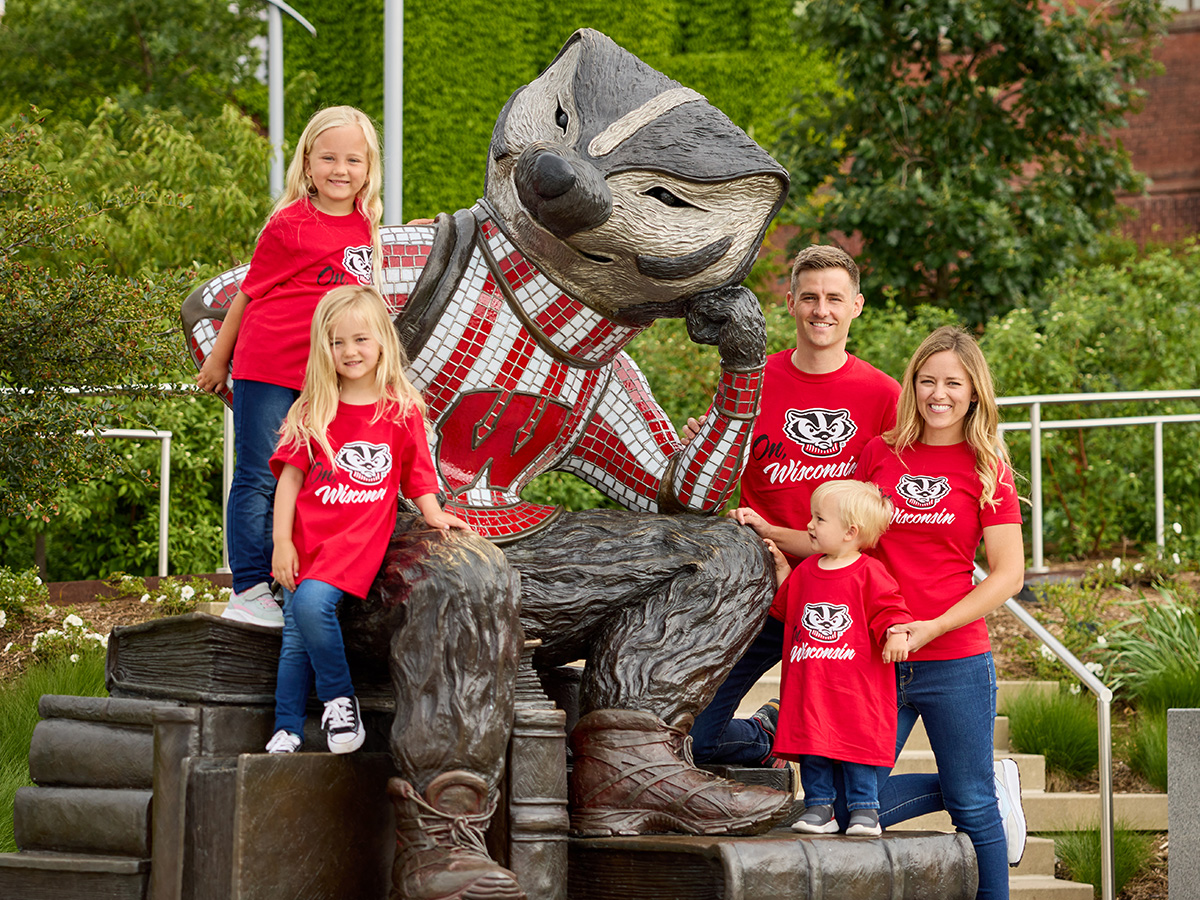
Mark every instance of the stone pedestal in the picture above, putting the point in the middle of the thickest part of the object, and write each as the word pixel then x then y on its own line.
pixel 1183 803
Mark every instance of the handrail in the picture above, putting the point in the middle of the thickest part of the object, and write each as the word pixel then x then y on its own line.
pixel 1104 698
pixel 1036 427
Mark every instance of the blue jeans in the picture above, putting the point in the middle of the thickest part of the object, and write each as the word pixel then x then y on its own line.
pixel 859 784
pixel 312 649
pixel 717 737
pixel 258 411
pixel 956 699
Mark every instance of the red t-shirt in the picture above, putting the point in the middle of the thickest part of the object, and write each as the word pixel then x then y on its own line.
pixel 810 429
pixel 838 696
pixel 301 255
pixel 936 528
pixel 345 516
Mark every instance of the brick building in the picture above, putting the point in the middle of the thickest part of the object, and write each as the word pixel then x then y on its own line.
pixel 1164 138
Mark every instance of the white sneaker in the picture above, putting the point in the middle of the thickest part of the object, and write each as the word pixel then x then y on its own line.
pixel 342 725
pixel 1012 814
pixel 255 605
pixel 283 742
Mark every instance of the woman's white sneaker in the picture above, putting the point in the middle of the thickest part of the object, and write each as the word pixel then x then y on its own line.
pixel 1012 814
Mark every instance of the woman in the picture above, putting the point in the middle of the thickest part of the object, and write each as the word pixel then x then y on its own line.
pixel 947 473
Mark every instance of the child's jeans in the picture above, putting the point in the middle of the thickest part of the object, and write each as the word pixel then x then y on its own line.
pixel 258 411
pixel 312 649
pixel 816 775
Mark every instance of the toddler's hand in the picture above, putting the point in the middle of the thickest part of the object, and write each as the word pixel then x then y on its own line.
pixel 782 568
pixel 896 648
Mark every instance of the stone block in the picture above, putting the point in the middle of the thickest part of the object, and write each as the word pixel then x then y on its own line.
pixel 1183 803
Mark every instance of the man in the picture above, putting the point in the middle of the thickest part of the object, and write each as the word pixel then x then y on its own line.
pixel 820 406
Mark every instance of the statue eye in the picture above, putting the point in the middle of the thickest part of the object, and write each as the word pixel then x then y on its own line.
pixel 561 119
pixel 665 197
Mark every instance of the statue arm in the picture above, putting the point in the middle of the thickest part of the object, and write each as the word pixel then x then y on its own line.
pixel 630 450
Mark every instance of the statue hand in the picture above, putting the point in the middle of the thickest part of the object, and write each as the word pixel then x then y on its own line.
pixel 730 318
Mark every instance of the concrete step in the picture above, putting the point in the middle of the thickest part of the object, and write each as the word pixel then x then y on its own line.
pixel 1038 858
pixel 1069 812
pixel 1031 766
pixel 1046 887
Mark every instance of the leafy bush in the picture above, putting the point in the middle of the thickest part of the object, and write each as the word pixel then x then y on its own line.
pixel 19 591
pixel 172 596
pixel 1059 726
pixel 1148 751
pixel 19 715
pixel 1153 654
pixel 1080 854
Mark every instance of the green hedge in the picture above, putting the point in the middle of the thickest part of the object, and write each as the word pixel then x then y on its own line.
pixel 463 58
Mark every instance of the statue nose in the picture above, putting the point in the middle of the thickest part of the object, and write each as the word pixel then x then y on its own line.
pixel 552 176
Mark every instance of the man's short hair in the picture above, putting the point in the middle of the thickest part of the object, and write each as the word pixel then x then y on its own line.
pixel 824 256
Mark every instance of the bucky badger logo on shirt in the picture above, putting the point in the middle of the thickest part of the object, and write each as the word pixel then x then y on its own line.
pixel 367 463
pixel 826 622
pixel 922 491
pixel 357 261
pixel 820 432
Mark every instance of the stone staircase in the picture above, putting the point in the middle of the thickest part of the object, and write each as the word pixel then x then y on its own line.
pixel 1045 811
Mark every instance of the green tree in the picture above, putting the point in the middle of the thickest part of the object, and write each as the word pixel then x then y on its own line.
pixel 68 55
pixel 972 145
pixel 67 326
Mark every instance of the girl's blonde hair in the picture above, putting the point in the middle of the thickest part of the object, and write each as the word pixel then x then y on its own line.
pixel 308 419
pixel 370 202
pixel 858 503
pixel 981 427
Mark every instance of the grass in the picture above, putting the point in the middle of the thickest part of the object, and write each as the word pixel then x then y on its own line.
pixel 1154 653
pixel 1059 726
pixel 1148 750
pixel 1079 852
pixel 19 715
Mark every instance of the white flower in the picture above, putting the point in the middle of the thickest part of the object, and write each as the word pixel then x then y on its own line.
pixel 37 579
pixel 1095 668
pixel 145 597
pixel 1102 641
pixel 74 657
pixel 1175 558
pixel 7 647
pixel 1116 564
pixel 1046 652
pixel 1178 529
pixel 1074 689
pixel 1137 567
pixel 3 618
pixel 73 620
pixel 188 592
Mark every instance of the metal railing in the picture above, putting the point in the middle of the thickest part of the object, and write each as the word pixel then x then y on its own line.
pixel 1037 427
pixel 164 479
pixel 1104 698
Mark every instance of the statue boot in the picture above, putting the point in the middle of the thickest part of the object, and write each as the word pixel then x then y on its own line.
pixel 440 853
pixel 634 774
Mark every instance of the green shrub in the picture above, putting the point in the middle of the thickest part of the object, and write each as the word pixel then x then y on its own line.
pixel 1153 654
pixel 19 715
pixel 1148 748
pixel 1079 852
pixel 19 591
pixel 1059 726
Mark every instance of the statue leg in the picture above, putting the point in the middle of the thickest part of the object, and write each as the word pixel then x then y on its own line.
pixel 451 602
pixel 660 607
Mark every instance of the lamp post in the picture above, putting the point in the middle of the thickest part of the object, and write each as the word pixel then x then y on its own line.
pixel 275 85
pixel 393 112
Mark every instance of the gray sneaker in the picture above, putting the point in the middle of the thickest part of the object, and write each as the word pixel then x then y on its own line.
pixel 1012 814
pixel 256 606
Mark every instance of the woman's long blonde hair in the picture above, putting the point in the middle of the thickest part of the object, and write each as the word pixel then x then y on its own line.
pixel 981 427
pixel 308 419
pixel 369 201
